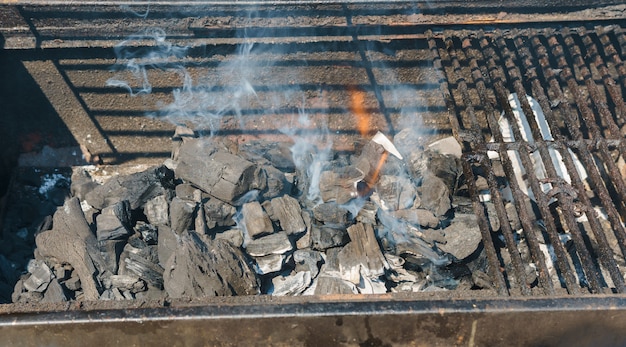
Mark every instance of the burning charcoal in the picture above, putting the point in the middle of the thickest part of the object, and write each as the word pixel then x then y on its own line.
pixel 331 213
pixel 307 260
pixel 199 269
pixel 233 236
pixel 181 214
pixel 418 216
pixel 290 285
pixel 462 236
pixel 362 253
pixel 277 243
pixel 131 283
pixel 288 212
pixel 395 193
pixel 54 293
pixel 81 183
pixel 72 241
pixel 334 285
pixel 254 220
pixel 167 243
pixel 113 222
pixel 324 237
pixel 269 263
pixel 219 213
pixel 157 210
pixel 277 153
pixel 340 184
pixel 40 276
pixel 137 188
pixel 435 195
pixel 217 172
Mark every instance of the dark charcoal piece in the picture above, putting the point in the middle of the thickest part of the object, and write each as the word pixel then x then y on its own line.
pixel 167 244
pixel 324 237
pixel 278 154
pixel 113 223
pixel 254 220
pixel 181 214
pixel 396 192
pixel 418 216
pixel 277 183
pixel 199 269
pixel 141 263
pixel 287 210
pixel 137 188
pixel 219 213
pixel 331 213
pixel 72 241
pixel 446 167
pixel 149 233
pixel 81 184
pixel 435 195
pixel 277 243
pixel 54 293
pixel 217 172
pixel 339 184
pixel 111 251
pixel 307 260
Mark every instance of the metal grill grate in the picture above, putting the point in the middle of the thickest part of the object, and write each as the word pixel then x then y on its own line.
pixel 577 78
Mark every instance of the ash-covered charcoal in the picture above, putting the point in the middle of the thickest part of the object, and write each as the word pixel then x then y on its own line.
pixel 137 188
pixel 396 193
pixel 233 235
pixel 418 216
pixel 199 269
pixel 40 276
pixel 446 167
pixel 277 243
pixel 254 220
pixel 277 184
pixel 331 213
pixel 361 257
pixel 270 263
pixel 340 184
pixel 216 171
pixel 287 210
pixel 307 260
pixel 277 154
pixel 157 210
pixel 324 237
pixel 334 285
pixel 294 284
pixel 133 284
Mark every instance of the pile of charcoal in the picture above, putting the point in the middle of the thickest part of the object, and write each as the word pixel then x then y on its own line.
pixel 221 219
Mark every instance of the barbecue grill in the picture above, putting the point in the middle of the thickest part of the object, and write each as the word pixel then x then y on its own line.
pixel 456 68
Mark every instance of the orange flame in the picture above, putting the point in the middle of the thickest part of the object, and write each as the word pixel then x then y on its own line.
pixel 366 186
pixel 357 106
pixel 376 172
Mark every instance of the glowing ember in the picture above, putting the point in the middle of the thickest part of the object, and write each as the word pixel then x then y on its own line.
pixel 357 106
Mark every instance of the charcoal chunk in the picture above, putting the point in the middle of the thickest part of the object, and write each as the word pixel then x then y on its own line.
pixel 137 188
pixel 435 195
pixel 331 213
pixel 54 293
pixel 113 223
pixel 255 220
pixel 181 214
pixel 219 213
pixel 324 237
pixel 277 243
pixel 157 210
pixel 199 269
pixel 361 255
pixel 287 211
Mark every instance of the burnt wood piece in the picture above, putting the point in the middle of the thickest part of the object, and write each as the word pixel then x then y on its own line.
pixel 339 184
pixel 334 285
pixel 396 192
pixel 216 171
pixel 435 195
pixel 277 243
pixel 278 154
pixel 254 220
pixel 199 269
pixel 331 213
pixel 307 260
pixel 166 244
pixel 324 237
pixel 362 256
pixel 157 210
pixel 277 183
pixel 218 213
pixel 71 241
pixel 181 214
pixel 113 223
pixel 418 216
pixel 289 214
pixel 137 188
pixel 141 263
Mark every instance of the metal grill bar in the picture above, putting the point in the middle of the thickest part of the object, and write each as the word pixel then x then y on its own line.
pixel 479 147
pixel 479 210
pixel 498 78
pixel 605 253
pixel 491 115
